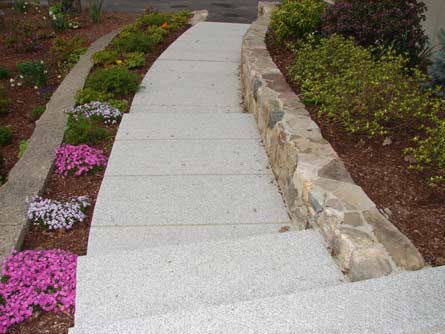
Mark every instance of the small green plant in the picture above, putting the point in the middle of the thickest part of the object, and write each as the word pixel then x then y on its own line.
pixel 95 9
pixel 57 17
pixel 116 80
pixel 33 72
pixel 82 130
pixel 4 73
pixel 134 60
pixel 295 19
pixel 136 42
pixel 22 6
pixel 37 112
pixel 22 148
pixel 67 51
pixel 5 135
pixel 105 57
pixel 87 95
pixel 5 101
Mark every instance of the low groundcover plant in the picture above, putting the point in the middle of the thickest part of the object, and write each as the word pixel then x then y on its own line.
pixel 78 160
pixel 54 215
pixel 36 280
pixel 105 111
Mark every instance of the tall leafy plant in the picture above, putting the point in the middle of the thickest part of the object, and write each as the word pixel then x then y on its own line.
pixel 437 69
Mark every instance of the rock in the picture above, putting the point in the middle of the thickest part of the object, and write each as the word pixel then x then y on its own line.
pixel 387 141
pixel 335 170
pixel 349 240
pixel 399 247
pixel 367 263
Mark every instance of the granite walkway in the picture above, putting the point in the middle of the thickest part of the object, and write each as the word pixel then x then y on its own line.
pixel 190 233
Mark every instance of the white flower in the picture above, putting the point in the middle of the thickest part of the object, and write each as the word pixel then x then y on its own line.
pixel 50 13
pixel 11 80
pixel 44 17
pixel 41 62
pixel 36 87
pixel 21 76
pixel 19 84
pixel 12 85
pixel 59 76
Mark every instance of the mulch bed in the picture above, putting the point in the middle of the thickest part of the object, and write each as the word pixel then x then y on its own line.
pixel 417 209
pixel 76 239
pixel 26 98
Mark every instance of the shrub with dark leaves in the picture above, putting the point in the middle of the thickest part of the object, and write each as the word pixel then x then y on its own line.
pixel 395 24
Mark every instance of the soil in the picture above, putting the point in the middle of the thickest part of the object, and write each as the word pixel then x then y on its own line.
pixel 26 98
pixel 76 239
pixel 417 209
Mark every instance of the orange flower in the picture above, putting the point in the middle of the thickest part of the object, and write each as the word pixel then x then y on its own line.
pixel 164 25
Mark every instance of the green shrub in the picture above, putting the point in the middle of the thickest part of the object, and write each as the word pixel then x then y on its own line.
pixel 364 95
pixel 4 73
pixel 5 136
pixel 136 42
pixel 116 80
pixel 153 19
pixel 429 152
pixel 134 60
pixel 22 148
pixel 295 19
pixel 105 57
pixel 87 95
pixel 22 6
pixel 122 105
pixel 33 72
pixel 37 112
pixel 437 69
pixel 95 9
pixel 82 130
pixel 67 51
pixel 57 17
pixel 5 101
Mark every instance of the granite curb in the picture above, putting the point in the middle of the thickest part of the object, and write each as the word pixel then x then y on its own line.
pixel 316 186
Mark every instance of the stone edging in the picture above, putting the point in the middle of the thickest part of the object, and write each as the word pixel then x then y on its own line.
pixel 28 176
pixel 316 187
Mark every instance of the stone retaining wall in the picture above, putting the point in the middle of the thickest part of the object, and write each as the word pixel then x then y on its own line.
pixel 317 189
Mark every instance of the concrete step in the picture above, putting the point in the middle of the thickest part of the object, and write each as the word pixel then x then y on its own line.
pixel 155 281
pixel 187 125
pixel 184 82
pixel 189 200
pixel 408 303
pixel 115 239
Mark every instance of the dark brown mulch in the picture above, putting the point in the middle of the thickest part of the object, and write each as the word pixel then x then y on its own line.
pixel 26 98
pixel 75 240
pixel 418 210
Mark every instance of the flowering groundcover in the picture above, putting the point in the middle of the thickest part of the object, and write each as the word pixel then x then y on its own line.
pixel 78 160
pixel 54 215
pixel 105 111
pixel 36 280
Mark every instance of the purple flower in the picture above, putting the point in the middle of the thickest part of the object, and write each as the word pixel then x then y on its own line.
pixel 78 160
pixel 100 110
pixel 44 280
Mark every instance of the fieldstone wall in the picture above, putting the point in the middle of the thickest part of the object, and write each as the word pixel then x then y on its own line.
pixel 317 188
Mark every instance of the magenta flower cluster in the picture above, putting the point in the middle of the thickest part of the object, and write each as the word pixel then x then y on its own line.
pixel 55 215
pixel 44 280
pixel 78 160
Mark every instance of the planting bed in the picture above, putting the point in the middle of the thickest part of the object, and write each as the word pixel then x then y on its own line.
pixel 64 188
pixel 25 98
pixel 414 207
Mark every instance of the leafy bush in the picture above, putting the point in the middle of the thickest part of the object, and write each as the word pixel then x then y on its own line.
pixel 78 160
pixel 22 36
pixel 5 101
pixel 105 57
pixel 57 16
pixel 82 130
pixel 134 60
pixel 33 72
pixel 429 152
pixel 22 6
pixel 87 95
pixel 55 215
pixel 295 19
pixel 28 283
pixel 4 73
pixel 395 24
pixel 437 69
pixel 67 51
pixel 5 135
pixel 364 95
pixel 37 112
pixel 116 80
pixel 139 41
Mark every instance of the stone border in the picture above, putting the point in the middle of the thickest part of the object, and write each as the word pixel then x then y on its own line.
pixel 28 176
pixel 317 188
